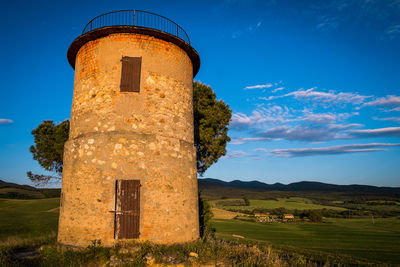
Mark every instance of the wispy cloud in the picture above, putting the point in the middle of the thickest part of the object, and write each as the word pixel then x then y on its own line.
pixel 395 119
pixel 367 14
pixel 5 121
pixel 387 101
pixel 330 97
pixel 326 118
pixel 260 86
pixel 342 149
pixel 255 26
pixel 268 117
pixel 237 154
pixel 327 23
pixel 242 31
pixel 393 31
pixel 242 140
pixel 273 114
pixel 380 132
pixel 260 150
pixel 308 133
pixel 319 121
pixel 277 89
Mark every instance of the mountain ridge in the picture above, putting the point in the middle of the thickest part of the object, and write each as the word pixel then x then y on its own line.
pixel 297 186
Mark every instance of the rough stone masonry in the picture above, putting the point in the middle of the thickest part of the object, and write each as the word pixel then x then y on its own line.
pixel 145 136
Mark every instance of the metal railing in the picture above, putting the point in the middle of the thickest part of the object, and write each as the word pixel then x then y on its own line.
pixel 137 18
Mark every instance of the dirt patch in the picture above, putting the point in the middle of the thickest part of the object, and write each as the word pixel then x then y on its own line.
pixel 224 214
pixel 55 210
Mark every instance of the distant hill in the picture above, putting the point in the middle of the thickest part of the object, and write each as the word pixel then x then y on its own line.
pixel 17 191
pixel 207 184
pixel 215 188
pixel 4 184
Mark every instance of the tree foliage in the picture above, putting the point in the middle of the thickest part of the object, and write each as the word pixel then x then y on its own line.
pixel 205 216
pixel 312 215
pixel 246 201
pixel 211 120
pixel 48 149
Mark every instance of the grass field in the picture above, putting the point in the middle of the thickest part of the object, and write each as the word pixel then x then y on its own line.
pixel 27 218
pixel 359 238
pixel 287 203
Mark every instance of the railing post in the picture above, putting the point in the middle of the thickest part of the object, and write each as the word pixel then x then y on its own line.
pixel 134 17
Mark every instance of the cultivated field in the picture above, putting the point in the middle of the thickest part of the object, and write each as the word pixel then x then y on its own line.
pixel 290 203
pixel 359 238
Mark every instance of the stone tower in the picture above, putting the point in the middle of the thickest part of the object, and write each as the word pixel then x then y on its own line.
pixel 130 161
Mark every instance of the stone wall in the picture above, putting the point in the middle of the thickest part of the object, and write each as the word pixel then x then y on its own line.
pixel 146 136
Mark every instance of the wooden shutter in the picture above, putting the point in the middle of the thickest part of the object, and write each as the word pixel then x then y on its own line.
pixel 127 209
pixel 130 74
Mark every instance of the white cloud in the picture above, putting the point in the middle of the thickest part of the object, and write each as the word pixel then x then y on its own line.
pixel 236 154
pixel 242 140
pixel 380 132
pixel 328 97
pixel 278 89
pixel 260 86
pixel 342 149
pixel 395 119
pixel 319 97
pixel 260 150
pixel 308 133
pixel 272 114
pixel 325 118
pixel 5 121
pixel 388 101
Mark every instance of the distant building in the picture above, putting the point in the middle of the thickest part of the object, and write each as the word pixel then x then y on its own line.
pixel 288 216
pixel 261 214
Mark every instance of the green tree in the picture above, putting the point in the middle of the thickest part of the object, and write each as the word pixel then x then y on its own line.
pixel 246 201
pixel 205 215
pixel 48 149
pixel 211 120
pixel 315 216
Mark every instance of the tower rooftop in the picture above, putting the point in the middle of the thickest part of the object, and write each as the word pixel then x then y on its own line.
pixel 134 21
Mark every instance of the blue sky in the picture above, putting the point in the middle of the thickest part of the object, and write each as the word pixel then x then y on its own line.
pixel 314 86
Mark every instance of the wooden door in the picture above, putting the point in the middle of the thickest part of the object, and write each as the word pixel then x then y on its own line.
pixel 127 209
pixel 130 74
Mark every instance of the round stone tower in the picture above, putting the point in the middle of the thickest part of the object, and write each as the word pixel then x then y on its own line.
pixel 130 161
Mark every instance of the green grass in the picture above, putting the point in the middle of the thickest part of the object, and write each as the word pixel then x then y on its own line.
pixel 27 218
pixel 28 223
pixel 358 238
pixel 380 207
pixel 291 203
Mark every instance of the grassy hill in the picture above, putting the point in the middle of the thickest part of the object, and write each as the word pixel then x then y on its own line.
pixel 28 218
pixel 359 234
pixel 291 203
pixel 17 191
